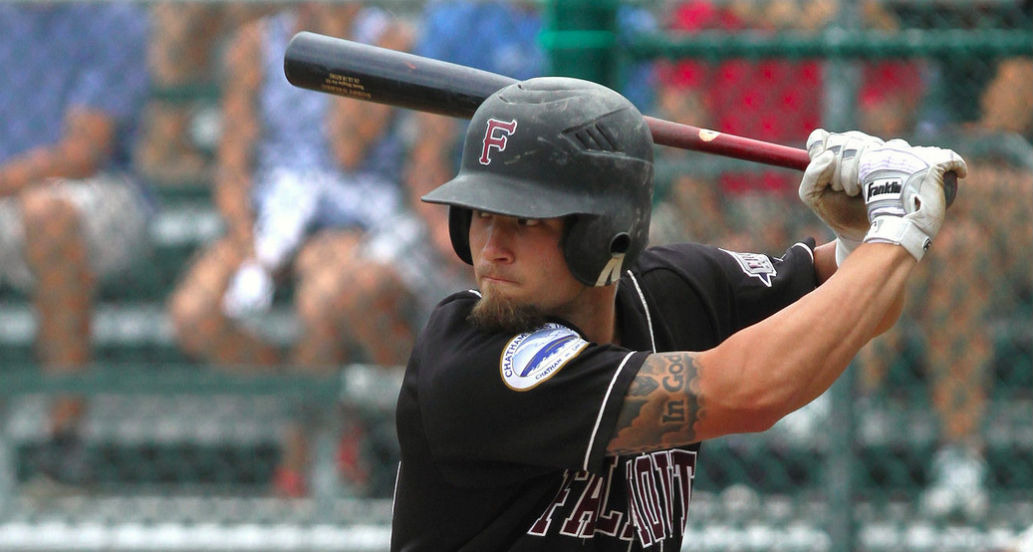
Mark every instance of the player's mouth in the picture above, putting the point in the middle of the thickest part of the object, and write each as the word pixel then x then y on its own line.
pixel 494 278
pixel 497 281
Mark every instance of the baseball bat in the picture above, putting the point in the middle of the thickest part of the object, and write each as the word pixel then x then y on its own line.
pixel 370 73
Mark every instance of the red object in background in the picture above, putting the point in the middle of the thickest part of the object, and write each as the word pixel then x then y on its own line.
pixel 772 100
pixel 884 80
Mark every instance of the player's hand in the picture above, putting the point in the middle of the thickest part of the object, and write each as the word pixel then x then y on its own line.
pixel 830 186
pixel 250 291
pixel 847 147
pixel 903 192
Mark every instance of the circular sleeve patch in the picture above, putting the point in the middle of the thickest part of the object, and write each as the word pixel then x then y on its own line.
pixel 533 357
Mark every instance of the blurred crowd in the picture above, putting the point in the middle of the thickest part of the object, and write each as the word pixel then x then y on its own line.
pixel 319 196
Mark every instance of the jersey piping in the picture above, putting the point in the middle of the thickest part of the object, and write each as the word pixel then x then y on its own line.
pixel 617 373
pixel 807 249
pixel 602 409
pixel 645 308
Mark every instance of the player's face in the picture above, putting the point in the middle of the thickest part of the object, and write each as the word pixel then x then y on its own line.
pixel 519 261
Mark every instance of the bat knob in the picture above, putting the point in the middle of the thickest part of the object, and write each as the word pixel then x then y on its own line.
pixel 950 187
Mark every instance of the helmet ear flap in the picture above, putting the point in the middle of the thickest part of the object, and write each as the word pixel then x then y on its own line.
pixel 597 249
pixel 459 231
pixel 592 250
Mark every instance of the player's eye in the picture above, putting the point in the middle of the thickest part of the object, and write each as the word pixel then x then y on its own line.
pixel 481 214
pixel 528 222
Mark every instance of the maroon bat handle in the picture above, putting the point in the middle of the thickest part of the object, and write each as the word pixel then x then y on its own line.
pixel 678 135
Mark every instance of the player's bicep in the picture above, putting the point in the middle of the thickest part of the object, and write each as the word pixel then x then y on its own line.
pixel 663 405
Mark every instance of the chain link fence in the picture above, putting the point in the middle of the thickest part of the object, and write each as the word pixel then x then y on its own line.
pixel 143 410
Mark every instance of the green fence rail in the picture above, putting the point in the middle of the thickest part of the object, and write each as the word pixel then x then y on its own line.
pixel 834 44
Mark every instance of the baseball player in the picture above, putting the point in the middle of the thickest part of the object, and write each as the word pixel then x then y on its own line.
pixel 561 405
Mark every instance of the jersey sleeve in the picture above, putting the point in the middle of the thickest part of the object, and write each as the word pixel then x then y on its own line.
pixel 763 284
pixel 703 294
pixel 498 407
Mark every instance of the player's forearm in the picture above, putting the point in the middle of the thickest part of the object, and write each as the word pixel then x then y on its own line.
pixel 892 314
pixel 789 359
pixel 825 266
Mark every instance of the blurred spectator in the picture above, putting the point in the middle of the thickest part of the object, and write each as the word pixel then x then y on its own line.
pixel 775 100
pixel 502 36
pixel 974 277
pixel 72 214
pixel 965 296
pixel 183 57
pixel 1007 102
pixel 770 99
pixel 302 177
pixel 964 77
pixel 497 36
pixel 978 273
pixel 341 277
pixel 960 300
pixel 891 90
pixel 402 268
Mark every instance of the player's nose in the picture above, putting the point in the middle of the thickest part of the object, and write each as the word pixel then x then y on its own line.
pixel 497 235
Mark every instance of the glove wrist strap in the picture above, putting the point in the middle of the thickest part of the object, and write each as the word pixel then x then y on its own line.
pixel 899 231
pixel 844 247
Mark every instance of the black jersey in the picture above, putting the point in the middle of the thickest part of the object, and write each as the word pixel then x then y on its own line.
pixel 503 437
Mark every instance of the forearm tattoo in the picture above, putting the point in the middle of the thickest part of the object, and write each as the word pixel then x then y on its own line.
pixel 662 405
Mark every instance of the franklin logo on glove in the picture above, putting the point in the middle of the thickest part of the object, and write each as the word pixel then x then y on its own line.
pixel 889 187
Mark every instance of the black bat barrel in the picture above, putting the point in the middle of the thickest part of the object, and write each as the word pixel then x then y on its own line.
pixel 370 73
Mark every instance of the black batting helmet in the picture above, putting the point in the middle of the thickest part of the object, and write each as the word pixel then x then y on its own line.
pixel 559 147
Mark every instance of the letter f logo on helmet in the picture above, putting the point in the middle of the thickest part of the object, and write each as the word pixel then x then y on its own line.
pixel 505 128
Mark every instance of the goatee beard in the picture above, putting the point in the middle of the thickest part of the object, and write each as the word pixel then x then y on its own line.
pixel 500 314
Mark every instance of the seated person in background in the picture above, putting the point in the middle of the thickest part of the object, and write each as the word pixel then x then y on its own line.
pixel 72 213
pixel 301 178
pixel 1007 102
pixel 183 59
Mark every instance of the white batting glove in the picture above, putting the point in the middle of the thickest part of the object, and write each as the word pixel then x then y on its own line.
pixel 833 170
pixel 903 192
pixel 848 148
pixel 250 291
